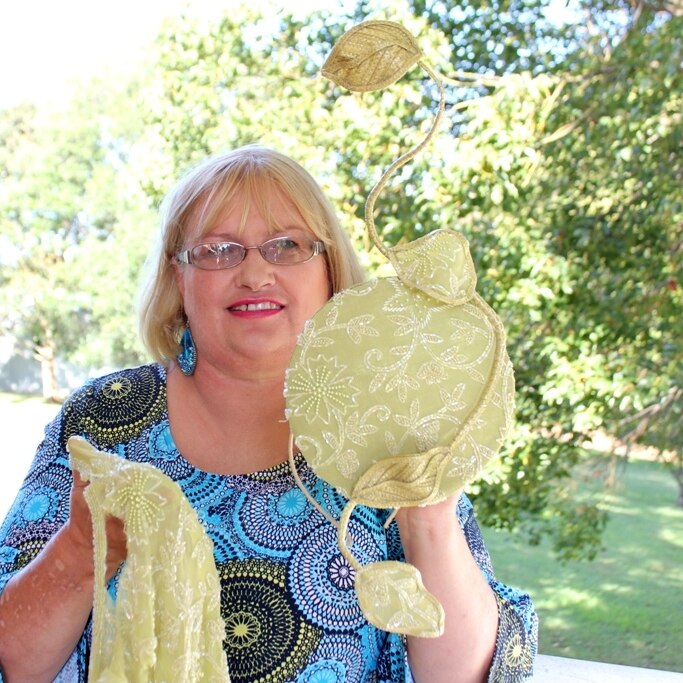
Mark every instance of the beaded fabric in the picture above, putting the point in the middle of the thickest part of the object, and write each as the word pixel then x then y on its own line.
pixel 165 623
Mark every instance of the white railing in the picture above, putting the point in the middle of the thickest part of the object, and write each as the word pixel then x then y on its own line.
pixel 550 669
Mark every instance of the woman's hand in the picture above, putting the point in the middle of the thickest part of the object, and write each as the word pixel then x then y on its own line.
pixel 427 518
pixel 80 532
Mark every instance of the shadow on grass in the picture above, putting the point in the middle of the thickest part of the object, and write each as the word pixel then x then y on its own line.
pixel 625 606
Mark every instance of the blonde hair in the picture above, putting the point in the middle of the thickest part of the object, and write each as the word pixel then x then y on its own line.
pixel 196 203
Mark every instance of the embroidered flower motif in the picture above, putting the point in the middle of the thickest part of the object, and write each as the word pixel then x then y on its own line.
pixel 320 389
pixel 453 400
pixel 139 501
pixel 406 325
pixel 423 429
pixel 347 463
pixel 310 337
pixel 359 326
pixel 357 430
pixel 403 384
pixel 431 373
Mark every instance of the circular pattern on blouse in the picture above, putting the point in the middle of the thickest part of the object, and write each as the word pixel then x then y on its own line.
pixel 55 476
pixel 27 541
pixel 158 448
pixel 114 408
pixel 343 653
pixel 277 522
pixel 321 581
pixel 267 638
pixel 42 503
pixel 324 671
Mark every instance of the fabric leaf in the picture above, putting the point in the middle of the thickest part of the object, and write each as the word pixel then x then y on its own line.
pixel 371 56
pixel 393 598
pixel 402 480
pixel 438 264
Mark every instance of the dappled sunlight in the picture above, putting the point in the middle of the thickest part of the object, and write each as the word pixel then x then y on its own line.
pixel 566 596
pixel 670 535
pixel 618 607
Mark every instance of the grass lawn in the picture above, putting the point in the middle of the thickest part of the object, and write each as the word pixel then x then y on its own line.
pixel 626 606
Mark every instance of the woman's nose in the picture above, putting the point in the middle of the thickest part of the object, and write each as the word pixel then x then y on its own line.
pixel 255 272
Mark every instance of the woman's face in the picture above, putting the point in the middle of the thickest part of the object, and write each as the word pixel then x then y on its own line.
pixel 246 319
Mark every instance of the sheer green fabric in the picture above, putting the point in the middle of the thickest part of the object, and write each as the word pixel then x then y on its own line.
pixel 165 624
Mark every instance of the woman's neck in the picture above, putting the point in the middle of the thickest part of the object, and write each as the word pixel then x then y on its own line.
pixel 228 425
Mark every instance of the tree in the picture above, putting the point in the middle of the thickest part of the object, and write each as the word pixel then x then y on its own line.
pixel 64 207
pixel 501 172
pixel 612 198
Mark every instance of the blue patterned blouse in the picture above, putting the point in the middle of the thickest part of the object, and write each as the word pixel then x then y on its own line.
pixel 287 592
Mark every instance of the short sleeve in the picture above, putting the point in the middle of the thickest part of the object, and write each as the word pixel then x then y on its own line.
pixel 517 639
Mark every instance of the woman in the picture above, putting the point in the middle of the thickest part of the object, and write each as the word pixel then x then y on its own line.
pixel 210 414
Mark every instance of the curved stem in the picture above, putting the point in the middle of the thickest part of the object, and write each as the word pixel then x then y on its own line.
pixel 343 538
pixel 302 487
pixel 401 161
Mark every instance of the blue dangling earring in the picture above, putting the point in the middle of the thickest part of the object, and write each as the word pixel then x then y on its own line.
pixel 187 358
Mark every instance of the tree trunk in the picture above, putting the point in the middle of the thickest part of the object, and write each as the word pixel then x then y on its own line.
pixel 47 356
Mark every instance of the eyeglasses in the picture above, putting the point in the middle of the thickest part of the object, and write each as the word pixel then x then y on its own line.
pixel 282 251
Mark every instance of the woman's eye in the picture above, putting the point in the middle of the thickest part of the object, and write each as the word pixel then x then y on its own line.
pixel 286 243
pixel 221 249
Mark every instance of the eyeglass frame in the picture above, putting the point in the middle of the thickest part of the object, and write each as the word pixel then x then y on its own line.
pixel 185 256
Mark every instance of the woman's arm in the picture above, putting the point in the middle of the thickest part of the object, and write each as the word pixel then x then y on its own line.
pixel 44 607
pixel 436 545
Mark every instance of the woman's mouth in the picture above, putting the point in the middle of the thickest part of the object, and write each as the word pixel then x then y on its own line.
pixel 261 306
pixel 252 309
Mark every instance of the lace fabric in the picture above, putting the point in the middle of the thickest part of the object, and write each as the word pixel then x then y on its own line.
pixel 165 624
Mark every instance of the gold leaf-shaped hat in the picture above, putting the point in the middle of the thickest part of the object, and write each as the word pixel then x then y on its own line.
pixel 400 389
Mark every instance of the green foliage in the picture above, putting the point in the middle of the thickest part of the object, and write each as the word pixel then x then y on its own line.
pixel 67 212
pixel 559 161
pixel 612 201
